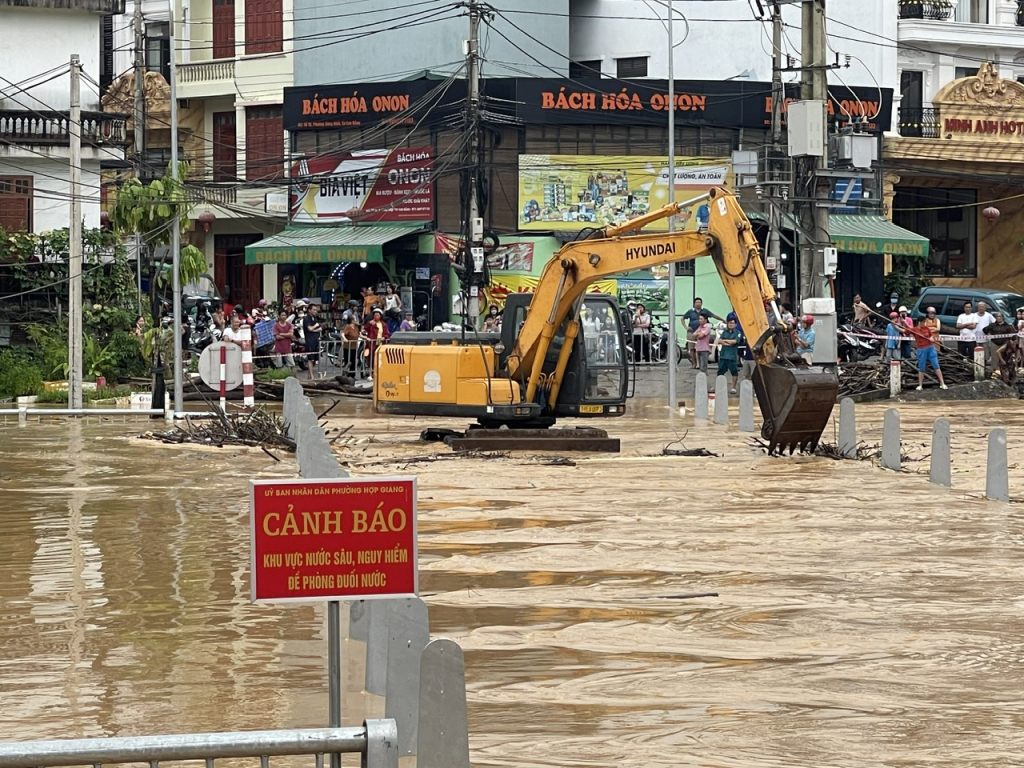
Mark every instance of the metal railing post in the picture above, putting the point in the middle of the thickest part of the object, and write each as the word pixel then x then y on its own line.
pixel 381 744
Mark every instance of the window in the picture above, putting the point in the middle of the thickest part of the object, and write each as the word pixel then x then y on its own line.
pixel 16 203
pixel 223 29
pixel 106 52
pixel 158 49
pixel 264 143
pixel 948 218
pixel 578 69
pixel 966 72
pixel 224 146
pixel 263 26
pixel 635 66
pixel 972 11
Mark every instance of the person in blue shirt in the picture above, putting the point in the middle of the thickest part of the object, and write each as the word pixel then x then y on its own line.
pixel 893 342
pixel 805 337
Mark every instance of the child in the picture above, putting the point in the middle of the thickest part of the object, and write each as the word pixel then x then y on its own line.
pixel 893 331
pixel 728 354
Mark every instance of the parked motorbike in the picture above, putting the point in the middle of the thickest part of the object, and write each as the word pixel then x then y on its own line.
pixel 662 344
pixel 856 343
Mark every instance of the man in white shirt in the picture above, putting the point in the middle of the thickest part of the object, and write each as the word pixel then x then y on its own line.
pixel 233 333
pixel 966 322
pixel 983 319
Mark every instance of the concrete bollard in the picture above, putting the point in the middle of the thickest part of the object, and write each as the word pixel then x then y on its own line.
pixel 700 396
pixel 22 414
pixel 293 396
pixel 747 406
pixel 940 471
pixel 721 400
pixel 891 440
pixel 847 429
pixel 895 378
pixel 979 363
pixel 997 479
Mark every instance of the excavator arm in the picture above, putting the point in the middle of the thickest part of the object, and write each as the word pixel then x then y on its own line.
pixel 795 401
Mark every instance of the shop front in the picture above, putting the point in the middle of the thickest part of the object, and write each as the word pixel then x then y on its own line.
pixel 957 183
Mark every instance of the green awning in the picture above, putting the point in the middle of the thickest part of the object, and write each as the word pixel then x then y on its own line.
pixel 860 233
pixel 327 245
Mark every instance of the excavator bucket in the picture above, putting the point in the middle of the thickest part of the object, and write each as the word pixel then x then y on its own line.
pixel 796 404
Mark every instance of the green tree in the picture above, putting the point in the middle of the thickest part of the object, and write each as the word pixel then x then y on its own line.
pixel 148 210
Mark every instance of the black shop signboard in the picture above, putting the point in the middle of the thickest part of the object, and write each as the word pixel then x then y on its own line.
pixel 554 101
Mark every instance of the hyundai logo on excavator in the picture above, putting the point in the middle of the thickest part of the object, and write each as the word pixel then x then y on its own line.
pixel 647 251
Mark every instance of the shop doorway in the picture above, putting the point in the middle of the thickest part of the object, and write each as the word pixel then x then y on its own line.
pixel 238 282
pixel 355 277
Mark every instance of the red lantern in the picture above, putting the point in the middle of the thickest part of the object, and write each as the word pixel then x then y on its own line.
pixel 206 218
pixel 991 214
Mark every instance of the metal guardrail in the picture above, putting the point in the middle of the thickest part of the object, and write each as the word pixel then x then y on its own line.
pixel 376 740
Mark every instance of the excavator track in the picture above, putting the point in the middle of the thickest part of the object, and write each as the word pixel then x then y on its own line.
pixel 796 404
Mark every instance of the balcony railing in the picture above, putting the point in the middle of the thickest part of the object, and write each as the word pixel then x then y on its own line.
pixel 51 128
pixel 199 72
pixel 919 122
pixel 213 193
pixel 938 10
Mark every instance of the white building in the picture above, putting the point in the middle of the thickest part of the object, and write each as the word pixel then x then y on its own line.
pixel 233 62
pixel 722 40
pixel 37 41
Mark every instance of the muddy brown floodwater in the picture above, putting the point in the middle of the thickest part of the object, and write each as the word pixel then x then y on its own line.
pixel 864 617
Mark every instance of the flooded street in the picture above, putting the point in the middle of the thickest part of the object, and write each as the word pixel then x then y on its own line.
pixel 864 617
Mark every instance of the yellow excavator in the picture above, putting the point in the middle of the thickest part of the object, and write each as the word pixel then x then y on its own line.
pixel 560 350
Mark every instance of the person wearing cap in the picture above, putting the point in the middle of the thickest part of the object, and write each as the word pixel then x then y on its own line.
pixel 805 336
pixel 894 305
pixel 893 340
pixel 376 332
pixel 1009 358
pixel 408 324
pixel 932 323
pixel 259 312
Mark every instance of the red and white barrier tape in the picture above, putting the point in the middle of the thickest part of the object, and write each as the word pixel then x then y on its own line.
pixel 224 379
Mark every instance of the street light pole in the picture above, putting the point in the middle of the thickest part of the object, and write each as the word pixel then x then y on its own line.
pixel 672 402
pixel 176 224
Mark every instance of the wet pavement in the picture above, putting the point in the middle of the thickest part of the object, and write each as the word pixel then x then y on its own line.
pixel 864 617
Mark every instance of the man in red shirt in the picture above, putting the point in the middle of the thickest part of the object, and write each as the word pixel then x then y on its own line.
pixel 926 352
pixel 283 335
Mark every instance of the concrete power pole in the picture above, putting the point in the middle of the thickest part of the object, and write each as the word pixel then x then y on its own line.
pixel 75 237
pixel 475 223
pixel 673 403
pixel 814 87
pixel 778 97
pixel 139 121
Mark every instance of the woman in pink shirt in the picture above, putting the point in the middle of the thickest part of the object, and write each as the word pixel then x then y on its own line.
pixel 703 338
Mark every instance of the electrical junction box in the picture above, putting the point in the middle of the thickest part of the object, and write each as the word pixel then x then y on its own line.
pixel 823 310
pixel 806 128
pixel 831 259
pixel 744 167
pixel 854 150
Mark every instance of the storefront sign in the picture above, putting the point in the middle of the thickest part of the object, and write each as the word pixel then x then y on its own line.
pixel 585 101
pixel 333 539
pixel 573 192
pixel 366 186
pixel 371 254
pixel 327 107
pixel 983 127
pixel 597 101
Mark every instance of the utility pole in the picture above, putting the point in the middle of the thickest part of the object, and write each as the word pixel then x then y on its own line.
pixel 139 121
pixel 75 237
pixel 778 98
pixel 672 362
pixel 814 87
pixel 475 223
pixel 179 395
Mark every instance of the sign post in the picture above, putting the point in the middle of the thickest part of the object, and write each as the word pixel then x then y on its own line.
pixel 333 540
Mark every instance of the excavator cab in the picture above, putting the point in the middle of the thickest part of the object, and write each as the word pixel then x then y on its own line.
pixel 596 378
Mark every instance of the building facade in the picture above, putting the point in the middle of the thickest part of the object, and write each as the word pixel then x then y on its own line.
pixel 35 96
pixel 958 148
